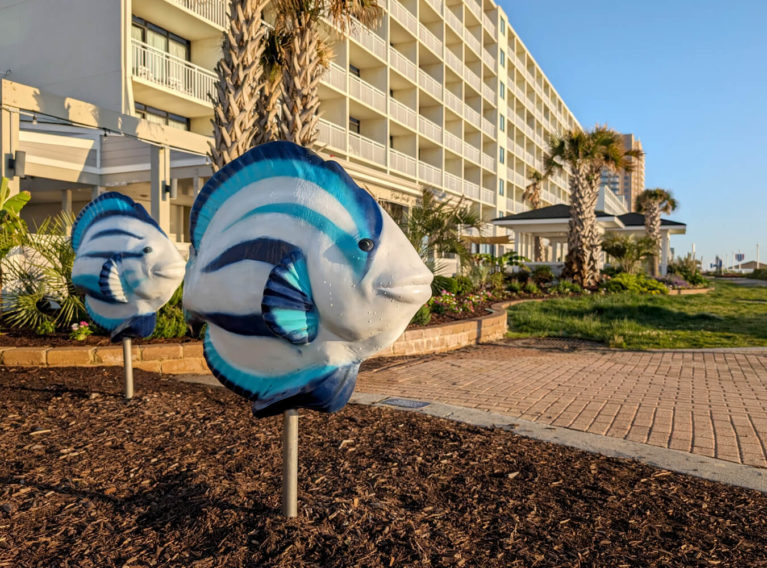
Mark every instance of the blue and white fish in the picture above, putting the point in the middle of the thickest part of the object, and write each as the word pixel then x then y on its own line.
pixel 300 276
pixel 126 264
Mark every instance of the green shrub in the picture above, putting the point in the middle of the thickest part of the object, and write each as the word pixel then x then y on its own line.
pixel 566 287
pixel 170 323
pixel 542 275
pixel 422 316
pixel 443 283
pixel 531 288
pixel 464 285
pixel 497 281
pixel 759 274
pixel 514 286
pixel 523 275
pixel 637 283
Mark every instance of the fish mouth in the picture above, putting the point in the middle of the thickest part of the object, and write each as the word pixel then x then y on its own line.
pixel 173 271
pixel 415 291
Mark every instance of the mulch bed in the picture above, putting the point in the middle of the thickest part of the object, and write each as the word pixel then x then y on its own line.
pixel 184 476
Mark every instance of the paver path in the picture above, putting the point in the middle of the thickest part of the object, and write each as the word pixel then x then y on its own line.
pixel 709 403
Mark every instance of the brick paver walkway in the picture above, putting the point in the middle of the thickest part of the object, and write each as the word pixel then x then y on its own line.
pixel 708 403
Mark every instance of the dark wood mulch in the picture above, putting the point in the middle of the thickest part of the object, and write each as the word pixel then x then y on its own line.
pixel 184 476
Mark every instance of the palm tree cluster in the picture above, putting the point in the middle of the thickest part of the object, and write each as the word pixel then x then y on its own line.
pixel 584 155
pixel 268 77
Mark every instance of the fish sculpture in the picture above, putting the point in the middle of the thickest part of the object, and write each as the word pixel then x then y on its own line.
pixel 125 263
pixel 299 275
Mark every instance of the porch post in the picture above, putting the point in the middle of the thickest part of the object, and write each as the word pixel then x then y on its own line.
pixel 664 244
pixel 97 190
pixel 66 207
pixel 159 175
pixel 9 143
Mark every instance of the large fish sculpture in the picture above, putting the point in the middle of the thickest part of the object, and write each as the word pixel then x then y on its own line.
pixel 126 264
pixel 300 275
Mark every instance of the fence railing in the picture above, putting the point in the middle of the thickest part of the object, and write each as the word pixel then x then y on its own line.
pixel 453 183
pixel 489 24
pixel 430 39
pixel 332 134
pixel 402 113
pixel 369 39
pixel 161 68
pixel 430 174
pixel 453 143
pixel 488 162
pixel 366 148
pixel 429 128
pixel 335 76
pixel 472 79
pixel 403 65
pixel 367 93
pixel 404 17
pixel 470 189
pixel 488 92
pixel 453 21
pixel 453 103
pixel 487 195
pixel 402 162
pixel 215 11
pixel 471 152
pixel 432 86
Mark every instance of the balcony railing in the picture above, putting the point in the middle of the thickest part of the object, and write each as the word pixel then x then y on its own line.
pixel 471 152
pixel 471 189
pixel 488 58
pixel 471 115
pixel 472 79
pixel 404 17
pixel 488 93
pixel 215 11
pixel 489 24
pixel 402 162
pixel 453 183
pixel 436 4
pixel 369 39
pixel 403 65
pixel 403 113
pixel 367 94
pixel 335 76
pixel 161 68
pixel 488 162
pixel 474 8
pixel 453 21
pixel 332 135
pixel 429 128
pixel 430 174
pixel 429 83
pixel 366 148
pixel 488 127
pixel 472 41
pixel 428 38
pixel 453 103
pixel 452 142
pixel 454 61
pixel 487 195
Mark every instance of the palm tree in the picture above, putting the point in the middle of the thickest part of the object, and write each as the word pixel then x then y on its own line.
pixel 532 195
pixel 627 251
pixel 239 82
pixel 584 154
pixel 306 54
pixel 653 202
pixel 434 227
pixel 268 97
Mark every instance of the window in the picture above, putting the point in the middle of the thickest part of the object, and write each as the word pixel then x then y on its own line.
pixel 354 125
pixel 391 141
pixel 160 38
pixel 502 123
pixel 503 57
pixel 503 27
pixel 502 90
pixel 500 187
pixel 159 116
pixel 502 156
pixel 354 70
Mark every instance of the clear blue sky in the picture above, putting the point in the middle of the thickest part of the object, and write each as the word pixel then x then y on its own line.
pixel 689 77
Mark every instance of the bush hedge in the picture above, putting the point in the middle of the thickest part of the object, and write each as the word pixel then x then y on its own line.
pixel 638 283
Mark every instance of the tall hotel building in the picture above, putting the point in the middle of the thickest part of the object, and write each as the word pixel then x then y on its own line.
pixel 442 95
pixel 626 185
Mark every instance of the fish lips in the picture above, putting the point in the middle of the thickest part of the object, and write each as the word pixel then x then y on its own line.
pixel 171 271
pixel 415 291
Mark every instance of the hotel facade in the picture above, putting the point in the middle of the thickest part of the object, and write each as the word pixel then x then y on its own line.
pixel 442 95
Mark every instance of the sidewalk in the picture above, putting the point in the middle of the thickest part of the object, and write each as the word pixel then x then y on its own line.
pixel 710 403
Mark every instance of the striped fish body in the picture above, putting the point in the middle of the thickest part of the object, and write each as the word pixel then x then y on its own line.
pixel 300 275
pixel 126 265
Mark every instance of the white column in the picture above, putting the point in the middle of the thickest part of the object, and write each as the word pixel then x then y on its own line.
pixel 159 175
pixel 97 190
pixel 9 143
pixel 664 246
pixel 197 184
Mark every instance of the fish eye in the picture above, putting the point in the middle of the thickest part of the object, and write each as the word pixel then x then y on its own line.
pixel 147 250
pixel 366 245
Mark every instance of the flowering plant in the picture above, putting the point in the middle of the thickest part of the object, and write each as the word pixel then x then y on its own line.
pixel 447 302
pixel 79 331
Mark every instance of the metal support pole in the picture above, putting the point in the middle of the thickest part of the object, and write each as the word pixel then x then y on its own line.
pixel 290 463
pixel 128 364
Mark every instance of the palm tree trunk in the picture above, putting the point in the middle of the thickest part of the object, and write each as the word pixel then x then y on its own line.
pixel 301 76
pixel 583 261
pixel 266 110
pixel 239 75
pixel 538 250
pixel 652 226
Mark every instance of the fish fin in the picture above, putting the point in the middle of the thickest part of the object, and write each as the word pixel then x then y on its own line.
pixel 138 326
pixel 329 393
pixel 110 282
pixel 287 305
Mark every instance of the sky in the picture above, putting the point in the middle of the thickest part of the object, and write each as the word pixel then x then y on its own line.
pixel 689 78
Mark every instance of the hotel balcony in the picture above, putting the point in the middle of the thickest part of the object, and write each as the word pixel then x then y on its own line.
pixel 403 114
pixel 403 65
pixel 430 84
pixel 453 21
pixel 402 163
pixel 489 24
pixel 488 162
pixel 367 149
pixel 488 93
pixel 332 135
pixel 430 129
pixel 436 5
pixel 430 174
pixel 454 103
pixel 472 79
pixel 369 40
pixel 430 40
pixel 168 82
pixel 489 59
pixel 404 17
pixel 471 152
pixel 454 62
pixel 475 8
pixel 472 41
pixel 487 196
pixel 453 183
pixel 367 94
pixel 335 76
pixel 191 19
pixel 453 143
pixel 488 127
pixel 471 115
pixel 471 190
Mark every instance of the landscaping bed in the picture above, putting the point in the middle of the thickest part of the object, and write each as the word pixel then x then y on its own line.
pixel 184 476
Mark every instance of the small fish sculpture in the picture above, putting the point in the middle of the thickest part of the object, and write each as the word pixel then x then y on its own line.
pixel 126 264
pixel 300 275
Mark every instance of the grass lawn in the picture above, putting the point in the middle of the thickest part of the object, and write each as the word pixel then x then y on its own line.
pixel 730 316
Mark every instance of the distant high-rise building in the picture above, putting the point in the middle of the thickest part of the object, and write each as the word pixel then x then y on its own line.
pixel 626 185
